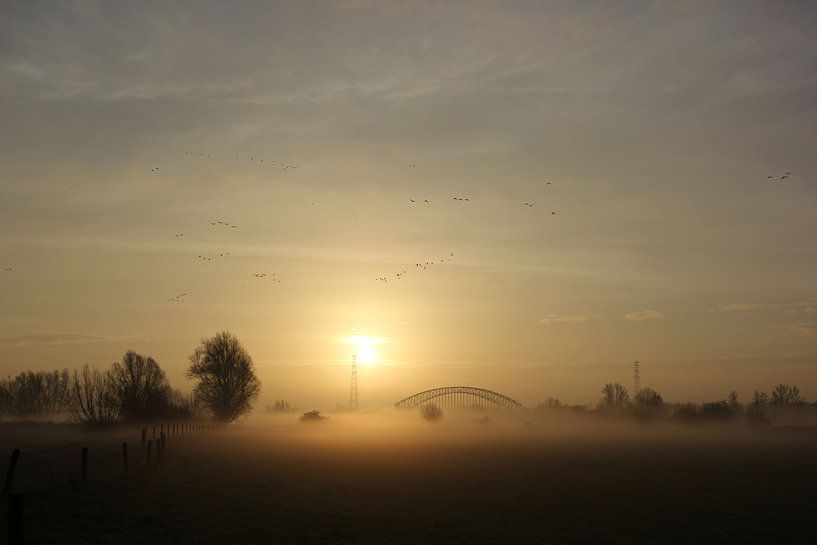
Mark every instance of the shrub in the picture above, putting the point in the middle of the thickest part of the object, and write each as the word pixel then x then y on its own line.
pixel 431 412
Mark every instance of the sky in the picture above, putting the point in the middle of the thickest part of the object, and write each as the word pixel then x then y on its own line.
pixel 642 134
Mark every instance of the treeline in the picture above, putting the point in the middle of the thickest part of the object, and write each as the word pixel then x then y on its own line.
pixel 783 403
pixel 136 389
pixel 35 394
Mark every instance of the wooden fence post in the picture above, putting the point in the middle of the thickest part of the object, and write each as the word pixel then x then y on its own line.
pixel 154 433
pixel 15 454
pixel 84 468
pixel 125 457
pixel 147 463
pixel 144 436
pixel 15 519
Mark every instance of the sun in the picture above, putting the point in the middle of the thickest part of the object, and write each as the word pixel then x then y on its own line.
pixel 365 348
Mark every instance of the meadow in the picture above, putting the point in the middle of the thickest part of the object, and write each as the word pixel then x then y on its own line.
pixel 392 478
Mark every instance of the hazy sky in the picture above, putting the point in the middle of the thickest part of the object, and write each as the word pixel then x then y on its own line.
pixel 657 124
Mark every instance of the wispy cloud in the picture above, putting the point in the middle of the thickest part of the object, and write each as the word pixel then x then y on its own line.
pixel 809 303
pixel 51 339
pixel 740 307
pixel 553 318
pixel 803 332
pixel 643 315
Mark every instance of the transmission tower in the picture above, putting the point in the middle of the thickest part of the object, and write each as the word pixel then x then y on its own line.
pixel 353 390
pixel 636 377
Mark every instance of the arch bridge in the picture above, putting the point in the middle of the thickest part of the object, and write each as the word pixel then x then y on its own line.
pixel 459 397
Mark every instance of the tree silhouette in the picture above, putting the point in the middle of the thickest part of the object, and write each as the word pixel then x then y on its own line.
pixel 550 403
pixel 141 387
pixel 93 398
pixel 431 412
pixel 227 382
pixel 647 403
pixel 786 396
pixel 33 394
pixel 614 396
pixel 756 411
pixel 734 404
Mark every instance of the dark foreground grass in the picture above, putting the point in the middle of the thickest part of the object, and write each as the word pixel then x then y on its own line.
pixel 247 486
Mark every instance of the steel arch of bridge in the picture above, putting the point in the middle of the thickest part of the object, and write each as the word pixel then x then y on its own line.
pixel 459 397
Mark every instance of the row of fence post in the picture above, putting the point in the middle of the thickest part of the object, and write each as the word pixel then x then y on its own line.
pixel 174 430
pixel 15 501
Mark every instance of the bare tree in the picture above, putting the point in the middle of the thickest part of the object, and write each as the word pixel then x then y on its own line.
pixel 757 410
pixel 141 387
pixel 431 412
pixel 227 382
pixel 786 396
pixel 35 393
pixel 550 403
pixel 614 396
pixel 280 406
pixel 647 403
pixel 734 404
pixel 93 397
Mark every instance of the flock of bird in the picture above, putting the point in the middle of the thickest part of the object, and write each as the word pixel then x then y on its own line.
pixel 178 298
pixel 283 167
pixel 417 266
pixel 280 166
pixel 222 223
pixel 265 275
pixel 783 177
pixel 209 258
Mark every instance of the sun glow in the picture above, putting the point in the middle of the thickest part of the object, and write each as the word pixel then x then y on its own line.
pixel 365 347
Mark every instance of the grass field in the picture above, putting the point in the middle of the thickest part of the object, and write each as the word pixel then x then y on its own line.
pixel 391 479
